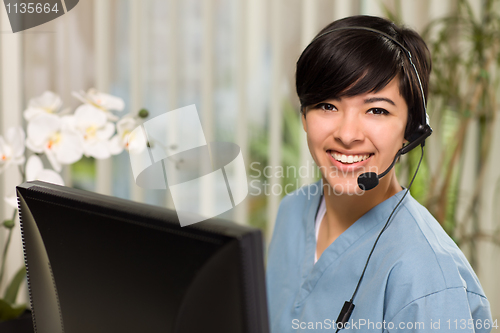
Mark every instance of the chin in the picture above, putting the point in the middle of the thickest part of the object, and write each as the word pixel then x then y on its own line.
pixel 343 187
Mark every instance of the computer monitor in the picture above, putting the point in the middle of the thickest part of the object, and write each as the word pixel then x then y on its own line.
pixel 102 264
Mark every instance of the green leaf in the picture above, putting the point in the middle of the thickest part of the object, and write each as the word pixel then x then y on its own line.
pixel 13 288
pixel 8 312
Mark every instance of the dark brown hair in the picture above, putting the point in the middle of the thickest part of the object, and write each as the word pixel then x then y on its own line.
pixel 350 62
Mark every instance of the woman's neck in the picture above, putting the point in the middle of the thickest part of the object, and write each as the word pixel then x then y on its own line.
pixel 343 210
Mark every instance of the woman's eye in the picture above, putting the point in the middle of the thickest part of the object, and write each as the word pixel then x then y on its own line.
pixel 378 111
pixel 326 107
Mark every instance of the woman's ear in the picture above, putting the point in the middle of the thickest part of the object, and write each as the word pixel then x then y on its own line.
pixel 303 116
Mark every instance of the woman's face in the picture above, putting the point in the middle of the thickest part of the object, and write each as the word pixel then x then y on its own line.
pixel 352 135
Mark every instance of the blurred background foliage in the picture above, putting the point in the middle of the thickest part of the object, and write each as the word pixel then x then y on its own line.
pixel 464 86
pixel 259 152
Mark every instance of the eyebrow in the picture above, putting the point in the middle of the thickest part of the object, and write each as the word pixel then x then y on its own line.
pixel 379 99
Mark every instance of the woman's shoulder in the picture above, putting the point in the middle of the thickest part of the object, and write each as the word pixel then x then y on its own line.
pixel 301 200
pixel 305 193
pixel 423 264
pixel 296 210
pixel 424 253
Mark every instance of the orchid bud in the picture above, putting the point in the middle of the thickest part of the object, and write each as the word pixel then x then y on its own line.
pixel 143 113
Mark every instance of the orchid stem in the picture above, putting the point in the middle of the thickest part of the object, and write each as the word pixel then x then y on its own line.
pixel 6 248
pixel 23 175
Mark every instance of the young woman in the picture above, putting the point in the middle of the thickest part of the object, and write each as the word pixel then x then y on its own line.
pixel 362 83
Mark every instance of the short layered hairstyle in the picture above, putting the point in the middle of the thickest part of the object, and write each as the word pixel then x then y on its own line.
pixel 349 62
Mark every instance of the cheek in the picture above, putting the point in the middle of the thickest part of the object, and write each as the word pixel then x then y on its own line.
pixel 313 143
pixel 317 133
pixel 388 139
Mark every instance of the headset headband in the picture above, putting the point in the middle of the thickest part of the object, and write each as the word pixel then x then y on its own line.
pixel 425 116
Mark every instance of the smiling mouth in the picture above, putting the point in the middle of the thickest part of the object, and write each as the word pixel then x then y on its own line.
pixel 349 159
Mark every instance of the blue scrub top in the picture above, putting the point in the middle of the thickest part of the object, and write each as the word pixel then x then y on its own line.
pixel 417 280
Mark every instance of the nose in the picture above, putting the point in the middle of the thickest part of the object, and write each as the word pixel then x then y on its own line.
pixel 349 129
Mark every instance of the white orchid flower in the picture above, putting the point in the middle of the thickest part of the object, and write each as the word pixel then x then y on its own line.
pixel 48 102
pixel 124 139
pixel 12 148
pixel 95 130
pixel 101 101
pixel 11 200
pixel 53 135
pixel 35 171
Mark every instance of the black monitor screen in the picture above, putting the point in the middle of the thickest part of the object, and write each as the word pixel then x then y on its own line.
pixel 102 264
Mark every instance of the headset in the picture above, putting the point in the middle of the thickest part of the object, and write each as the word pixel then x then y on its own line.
pixel 369 180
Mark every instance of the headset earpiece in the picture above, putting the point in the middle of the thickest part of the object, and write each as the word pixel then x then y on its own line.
pixel 417 138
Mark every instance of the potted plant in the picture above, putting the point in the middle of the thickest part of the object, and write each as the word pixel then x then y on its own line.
pixel 58 137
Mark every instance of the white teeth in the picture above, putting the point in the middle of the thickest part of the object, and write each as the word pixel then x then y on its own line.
pixel 349 159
